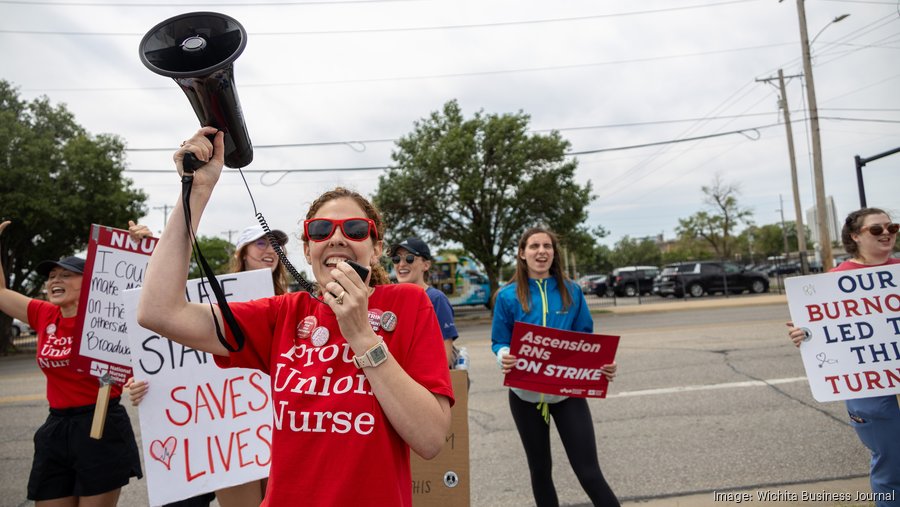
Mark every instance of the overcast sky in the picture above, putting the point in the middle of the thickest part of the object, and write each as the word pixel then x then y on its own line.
pixel 322 76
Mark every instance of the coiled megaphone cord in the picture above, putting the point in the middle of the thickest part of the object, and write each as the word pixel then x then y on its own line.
pixel 304 283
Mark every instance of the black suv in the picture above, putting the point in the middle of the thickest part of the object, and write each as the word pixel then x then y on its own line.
pixel 631 280
pixel 696 278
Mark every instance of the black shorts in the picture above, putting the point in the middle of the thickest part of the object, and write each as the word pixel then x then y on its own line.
pixel 68 462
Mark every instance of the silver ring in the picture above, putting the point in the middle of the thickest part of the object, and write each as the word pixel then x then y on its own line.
pixel 340 299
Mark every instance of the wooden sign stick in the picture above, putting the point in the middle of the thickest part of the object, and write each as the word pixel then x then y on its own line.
pixel 101 407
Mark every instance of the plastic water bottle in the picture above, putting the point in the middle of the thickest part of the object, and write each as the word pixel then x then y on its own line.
pixel 462 359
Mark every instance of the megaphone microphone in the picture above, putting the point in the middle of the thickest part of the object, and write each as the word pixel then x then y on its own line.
pixel 198 50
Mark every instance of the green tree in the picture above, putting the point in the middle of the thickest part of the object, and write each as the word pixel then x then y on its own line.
pixel 217 253
pixel 480 183
pixel 717 226
pixel 57 180
pixel 636 252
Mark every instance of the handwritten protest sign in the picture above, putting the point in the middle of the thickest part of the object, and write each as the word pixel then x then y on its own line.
pixel 554 361
pixel 114 263
pixel 203 428
pixel 852 319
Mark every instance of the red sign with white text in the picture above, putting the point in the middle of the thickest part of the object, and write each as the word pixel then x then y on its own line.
pixel 114 263
pixel 555 361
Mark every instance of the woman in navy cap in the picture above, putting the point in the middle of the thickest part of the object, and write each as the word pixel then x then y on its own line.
pixel 412 262
pixel 70 467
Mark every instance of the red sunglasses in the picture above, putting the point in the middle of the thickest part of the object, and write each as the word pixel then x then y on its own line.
pixel 354 229
pixel 877 229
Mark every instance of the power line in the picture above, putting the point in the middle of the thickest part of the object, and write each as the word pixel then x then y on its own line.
pixel 443 76
pixel 383 30
pixel 674 141
pixel 182 5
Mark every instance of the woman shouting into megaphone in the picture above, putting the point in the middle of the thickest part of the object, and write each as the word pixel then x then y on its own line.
pixel 359 373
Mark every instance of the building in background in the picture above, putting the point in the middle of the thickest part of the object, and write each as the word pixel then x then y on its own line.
pixel 834 225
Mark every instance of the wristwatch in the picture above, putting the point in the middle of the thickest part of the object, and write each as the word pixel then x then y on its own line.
pixel 372 357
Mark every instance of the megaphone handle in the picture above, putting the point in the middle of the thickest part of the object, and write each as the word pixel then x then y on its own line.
pixel 190 163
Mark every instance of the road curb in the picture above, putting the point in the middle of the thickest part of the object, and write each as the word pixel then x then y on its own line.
pixel 697 304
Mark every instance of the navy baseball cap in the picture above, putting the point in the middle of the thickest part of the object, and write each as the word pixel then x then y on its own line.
pixel 414 246
pixel 73 264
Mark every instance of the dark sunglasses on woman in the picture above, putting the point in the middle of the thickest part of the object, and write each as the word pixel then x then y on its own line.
pixel 409 258
pixel 354 229
pixel 877 229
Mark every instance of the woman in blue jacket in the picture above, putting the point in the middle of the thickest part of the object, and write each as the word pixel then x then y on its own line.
pixel 541 294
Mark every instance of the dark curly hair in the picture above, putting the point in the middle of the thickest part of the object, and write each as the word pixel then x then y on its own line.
pixel 853 225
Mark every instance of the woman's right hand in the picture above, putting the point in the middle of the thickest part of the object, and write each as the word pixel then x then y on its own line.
pixel 796 334
pixel 137 389
pixel 138 231
pixel 211 153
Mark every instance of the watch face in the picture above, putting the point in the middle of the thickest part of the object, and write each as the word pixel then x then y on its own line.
pixel 378 355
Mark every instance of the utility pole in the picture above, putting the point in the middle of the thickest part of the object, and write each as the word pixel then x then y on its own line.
pixel 165 209
pixel 229 232
pixel 821 211
pixel 783 229
pixel 798 209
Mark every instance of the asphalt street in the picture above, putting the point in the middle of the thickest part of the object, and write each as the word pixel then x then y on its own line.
pixel 711 397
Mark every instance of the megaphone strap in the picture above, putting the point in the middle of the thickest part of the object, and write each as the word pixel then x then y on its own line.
pixel 206 271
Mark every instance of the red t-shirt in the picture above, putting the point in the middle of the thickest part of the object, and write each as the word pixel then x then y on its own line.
pixel 850 265
pixel 332 443
pixel 56 343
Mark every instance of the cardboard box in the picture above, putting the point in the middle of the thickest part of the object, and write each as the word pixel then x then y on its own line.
pixel 444 480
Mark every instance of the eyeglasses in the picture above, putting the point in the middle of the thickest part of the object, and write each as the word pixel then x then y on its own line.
pixel 877 229
pixel 409 258
pixel 354 229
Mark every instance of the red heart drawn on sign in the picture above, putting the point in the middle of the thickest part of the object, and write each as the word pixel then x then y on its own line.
pixel 163 451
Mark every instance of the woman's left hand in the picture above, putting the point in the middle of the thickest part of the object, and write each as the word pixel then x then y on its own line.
pixel 609 370
pixel 348 297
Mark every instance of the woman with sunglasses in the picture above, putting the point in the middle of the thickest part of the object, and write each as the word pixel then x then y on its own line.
pixel 541 293
pixel 869 236
pixel 69 467
pixel 253 250
pixel 358 376
pixel 412 262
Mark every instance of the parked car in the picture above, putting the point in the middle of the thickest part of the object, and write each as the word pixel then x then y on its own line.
pixel 20 328
pixel 788 268
pixel 632 280
pixel 586 282
pixel 600 288
pixel 696 278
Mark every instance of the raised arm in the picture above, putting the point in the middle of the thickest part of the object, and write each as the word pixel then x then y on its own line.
pixel 163 308
pixel 11 302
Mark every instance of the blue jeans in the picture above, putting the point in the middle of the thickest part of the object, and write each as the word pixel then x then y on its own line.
pixel 877 423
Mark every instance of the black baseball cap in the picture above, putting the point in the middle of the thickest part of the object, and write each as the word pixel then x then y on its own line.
pixel 73 264
pixel 414 246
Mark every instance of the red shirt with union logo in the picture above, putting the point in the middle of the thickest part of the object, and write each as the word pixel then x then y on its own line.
pixel 332 444
pixel 66 387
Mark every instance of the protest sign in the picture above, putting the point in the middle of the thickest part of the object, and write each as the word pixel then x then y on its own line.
pixel 203 428
pixel 445 479
pixel 114 263
pixel 555 361
pixel 852 323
